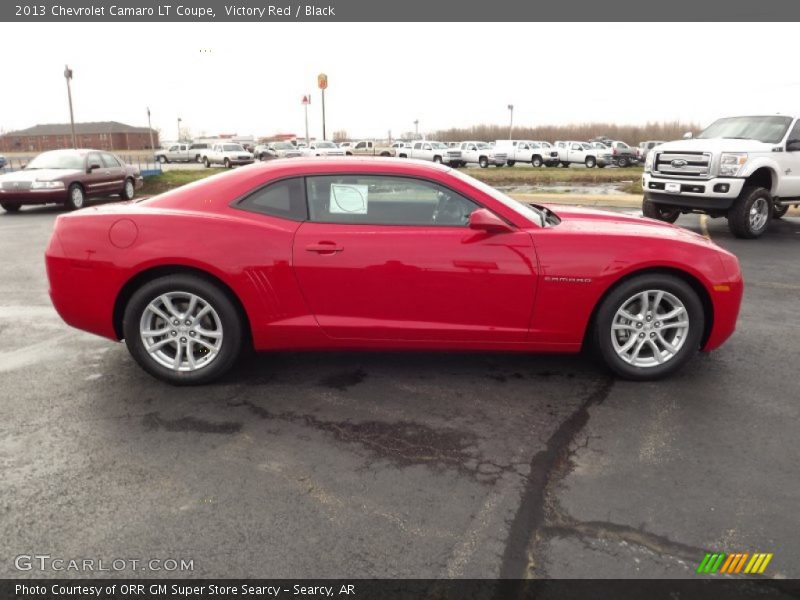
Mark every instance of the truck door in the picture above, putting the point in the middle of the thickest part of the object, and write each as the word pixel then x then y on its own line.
pixel 789 186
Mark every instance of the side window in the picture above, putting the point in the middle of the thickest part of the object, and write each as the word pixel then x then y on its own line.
pixel 576 147
pixel 361 145
pixel 427 147
pixel 110 161
pixel 93 159
pixel 523 146
pixel 795 133
pixel 284 199
pixel 417 146
pixel 385 200
pixel 172 149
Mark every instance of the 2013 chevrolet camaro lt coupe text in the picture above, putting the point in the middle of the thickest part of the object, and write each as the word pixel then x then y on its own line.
pixel 371 253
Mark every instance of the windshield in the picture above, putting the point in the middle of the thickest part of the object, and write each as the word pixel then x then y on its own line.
pixel 57 160
pixel 438 145
pixel 233 148
pixel 482 145
pixel 326 145
pixel 283 146
pixel 769 130
pixel 528 211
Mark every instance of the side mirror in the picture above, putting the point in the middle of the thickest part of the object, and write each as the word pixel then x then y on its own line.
pixel 793 145
pixel 688 135
pixel 485 220
pixel 92 167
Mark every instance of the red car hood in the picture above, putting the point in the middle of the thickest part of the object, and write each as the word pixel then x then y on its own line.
pixel 589 220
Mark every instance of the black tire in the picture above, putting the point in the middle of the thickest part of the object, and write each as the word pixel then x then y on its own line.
pixel 163 159
pixel 483 162
pixel 602 333
pixel 10 207
pixel 402 156
pixel 536 161
pixel 348 153
pixel 599 166
pixel 661 212
pixel 590 162
pixel 128 190
pixel 206 162
pixel 779 211
pixel 227 163
pixel 622 162
pixel 384 154
pixel 511 163
pixel 229 318
pixel 565 165
pixel 744 225
pixel 198 159
pixel 499 165
pixel 76 197
pixel 437 159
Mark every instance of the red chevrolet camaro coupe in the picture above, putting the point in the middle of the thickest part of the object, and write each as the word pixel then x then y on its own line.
pixel 384 254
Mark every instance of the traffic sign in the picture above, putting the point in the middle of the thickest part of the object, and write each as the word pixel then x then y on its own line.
pixel 322 81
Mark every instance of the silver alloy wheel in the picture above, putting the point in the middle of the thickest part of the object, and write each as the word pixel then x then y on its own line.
pixel 129 189
pixel 181 331
pixel 76 195
pixel 759 214
pixel 650 328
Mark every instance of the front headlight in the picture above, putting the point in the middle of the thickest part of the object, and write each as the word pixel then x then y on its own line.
pixel 648 162
pixel 731 163
pixel 47 185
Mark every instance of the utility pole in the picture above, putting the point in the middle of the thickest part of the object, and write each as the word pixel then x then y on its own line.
pixel 306 102
pixel 416 129
pixel 511 120
pixel 68 77
pixel 150 129
pixel 322 83
pixel 179 128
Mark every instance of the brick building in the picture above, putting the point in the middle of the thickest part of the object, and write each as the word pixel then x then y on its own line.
pixel 104 135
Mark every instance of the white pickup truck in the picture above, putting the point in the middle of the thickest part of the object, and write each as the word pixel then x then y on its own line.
pixel 585 153
pixel 322 148
pixel 482 154
pixel 227 154
pixel 534 152
pixel 181 152
pixel 744 168
pixel 367 148
pixel 437 152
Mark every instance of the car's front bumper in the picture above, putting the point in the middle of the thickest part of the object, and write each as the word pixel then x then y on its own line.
pixel 717 193
pixel 33 196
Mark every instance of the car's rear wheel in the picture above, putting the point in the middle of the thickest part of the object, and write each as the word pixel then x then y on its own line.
pixel 182 329
pixel 662 212
pixel 128 190
pixel 590 162
pixel 76 197
pixel 750 214
pixel 649 326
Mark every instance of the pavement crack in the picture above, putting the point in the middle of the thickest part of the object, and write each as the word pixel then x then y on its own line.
pixel 530 516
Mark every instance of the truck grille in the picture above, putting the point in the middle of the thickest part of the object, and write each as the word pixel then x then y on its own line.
pixel 683 164
pixel 500 156
pixel 454 154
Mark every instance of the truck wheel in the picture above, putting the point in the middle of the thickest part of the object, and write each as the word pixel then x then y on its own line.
pixel 162 159
pixel 499 165
pixel 227 163
pixel 207 163
pixel 348 153
pixel 565 165
pixel 437 159
pixel 402 156
pixel 198 159
pixel 778 211
pixel 590 162
pixel 384 154
pixel 536 161
pixel 599 166
pixel 511 163
pixel 483 162
pixel 749 216
pixel 661 212
pixel 622 162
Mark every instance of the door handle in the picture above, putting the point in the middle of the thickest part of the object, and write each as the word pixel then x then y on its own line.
pixel 324 248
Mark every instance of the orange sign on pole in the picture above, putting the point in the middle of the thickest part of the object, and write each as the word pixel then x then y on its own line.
pixel 322 81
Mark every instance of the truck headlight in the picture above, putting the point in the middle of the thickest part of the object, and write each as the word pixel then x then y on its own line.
pixel 648 162
pixel 731 163
pixel 47 185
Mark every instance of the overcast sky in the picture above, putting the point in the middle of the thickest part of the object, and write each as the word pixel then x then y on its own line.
pixel 249 78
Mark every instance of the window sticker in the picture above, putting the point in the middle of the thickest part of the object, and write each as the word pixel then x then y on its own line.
pixel 348 199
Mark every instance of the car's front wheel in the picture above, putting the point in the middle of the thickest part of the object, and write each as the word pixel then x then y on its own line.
pixel 182 329
pixel 590 162
pixel 536 161
pixel 10 207
pixel 649 326
pixel 661 212
pixel 76 197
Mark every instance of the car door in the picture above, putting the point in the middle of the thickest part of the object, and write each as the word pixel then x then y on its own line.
pixel 393 258
pixel 522 152
pixel 577 153
pixel 98 178
pixel 115 170
pixel 789 186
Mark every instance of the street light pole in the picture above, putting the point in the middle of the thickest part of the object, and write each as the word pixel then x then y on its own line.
pixel 179 128
pixel 511 120
pixel 150 128
pixel 68 77
pixel 416 129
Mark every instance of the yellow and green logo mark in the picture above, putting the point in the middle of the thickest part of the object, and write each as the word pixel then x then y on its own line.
pixel 720 562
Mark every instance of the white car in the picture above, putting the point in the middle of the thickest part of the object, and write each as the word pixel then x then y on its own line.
pixel 746 169
pixel 322 148
pixel 438 152
pixel 589 154
pixel 227 154
pixel 482 154
pixel 534 152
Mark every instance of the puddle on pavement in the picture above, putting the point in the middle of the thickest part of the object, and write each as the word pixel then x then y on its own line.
pixel 593 189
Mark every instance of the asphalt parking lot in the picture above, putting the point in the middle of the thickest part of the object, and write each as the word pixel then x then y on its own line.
pixel 401 465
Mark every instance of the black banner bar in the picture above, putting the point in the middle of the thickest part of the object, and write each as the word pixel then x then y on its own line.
pixel 285 11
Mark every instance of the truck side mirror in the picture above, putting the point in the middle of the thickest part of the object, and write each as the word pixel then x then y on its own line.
pixel 688 135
